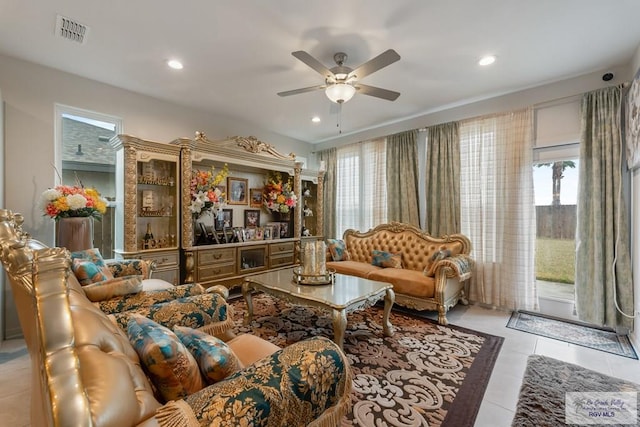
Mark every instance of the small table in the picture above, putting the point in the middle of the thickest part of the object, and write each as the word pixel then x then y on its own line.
pixel 345 295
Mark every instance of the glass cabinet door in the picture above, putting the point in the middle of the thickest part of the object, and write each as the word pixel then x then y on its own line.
pixel 157 204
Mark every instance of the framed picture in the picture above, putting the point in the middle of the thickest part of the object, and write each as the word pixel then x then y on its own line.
pixel 239 234
pixel 255 197
pixel 268 232
pixel 259 233
pixel 275 229
pixel 284 230
pixel 251 218
pixel 225 220
pixel 238 191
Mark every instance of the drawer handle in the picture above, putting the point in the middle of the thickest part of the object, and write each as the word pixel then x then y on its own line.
pixel 218 271
pixel 163 260
pixel 217 256
pixel 281 248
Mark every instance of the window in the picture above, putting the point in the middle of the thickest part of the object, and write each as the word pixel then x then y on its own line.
pixel 84 155
pixel 361 202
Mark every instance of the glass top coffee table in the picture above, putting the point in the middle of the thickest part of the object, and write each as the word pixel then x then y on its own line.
pixel 345 295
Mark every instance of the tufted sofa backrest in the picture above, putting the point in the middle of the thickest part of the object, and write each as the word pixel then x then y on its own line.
pixel 416 246
pixel 84 370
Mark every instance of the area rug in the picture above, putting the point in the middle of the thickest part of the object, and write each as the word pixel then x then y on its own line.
pixel 556 393
pixel 424 375
pixel 572 332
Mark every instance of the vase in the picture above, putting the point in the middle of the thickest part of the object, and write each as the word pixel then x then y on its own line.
pixel 281 216
pixel 75 233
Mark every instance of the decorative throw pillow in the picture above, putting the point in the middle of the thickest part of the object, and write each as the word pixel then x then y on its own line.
pixel 386 259
pixel 338 250
pixel 110 288
pixel 215 359
pixel 85 265
pixel 92 255
pixel 87 272
pixel 170 366
pixel 442 253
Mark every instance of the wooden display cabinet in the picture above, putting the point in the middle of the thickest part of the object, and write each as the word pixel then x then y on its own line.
pixel 147 203
pixel 246 158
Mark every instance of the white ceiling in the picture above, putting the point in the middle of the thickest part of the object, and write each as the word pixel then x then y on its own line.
pixel 237 55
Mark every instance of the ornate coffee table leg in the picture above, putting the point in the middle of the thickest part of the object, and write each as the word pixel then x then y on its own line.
pixel 389 299
pixel 246 293
pixel 339 326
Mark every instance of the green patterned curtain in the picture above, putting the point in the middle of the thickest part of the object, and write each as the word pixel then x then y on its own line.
pixel 603 262
pixel 402 178
pixel 330 158
pixel 443 179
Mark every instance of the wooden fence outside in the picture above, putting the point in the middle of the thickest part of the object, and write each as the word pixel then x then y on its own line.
pixel 556 222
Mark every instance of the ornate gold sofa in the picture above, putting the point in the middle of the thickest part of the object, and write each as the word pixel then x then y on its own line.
pixel 433 272
pixel 85 372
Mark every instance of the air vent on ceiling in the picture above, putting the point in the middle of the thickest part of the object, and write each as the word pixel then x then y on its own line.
pixel 71 30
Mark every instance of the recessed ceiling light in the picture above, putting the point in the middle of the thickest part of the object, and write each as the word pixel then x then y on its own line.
pixel 315 119
pixel 487 60
pixel 175 64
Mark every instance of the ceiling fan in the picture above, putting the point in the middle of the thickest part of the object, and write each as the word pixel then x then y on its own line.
pixel 342 82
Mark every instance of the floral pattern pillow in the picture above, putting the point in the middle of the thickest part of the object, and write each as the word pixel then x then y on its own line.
pixel 87 272
pixel 386 259
pixel 338 250
pixel 169 364
pixel 442 253
pixel 215 358
pixel 110 288
pixel 89 266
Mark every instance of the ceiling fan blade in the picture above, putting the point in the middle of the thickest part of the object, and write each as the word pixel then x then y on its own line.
pixel 387 57
pixel 389 95
pixel 302 90
pixel 313 63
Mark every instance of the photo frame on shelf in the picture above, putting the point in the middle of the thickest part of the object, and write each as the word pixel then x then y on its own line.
pixel 225 220
pixel 238 232
pixel 255 197
pixel 249 234
pixel 238 191
pixel 251 218
pixel 268 233
pixel 284 230
pixel 275 229
pixel 259 233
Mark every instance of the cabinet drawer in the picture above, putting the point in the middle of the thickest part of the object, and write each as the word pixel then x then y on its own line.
pixel 281 260
pixel 216 271
pixel 162 259
pixel 278 248
pixel 216 255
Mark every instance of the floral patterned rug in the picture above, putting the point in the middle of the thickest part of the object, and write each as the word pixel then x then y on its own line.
pixel 572 332
pixel 425 375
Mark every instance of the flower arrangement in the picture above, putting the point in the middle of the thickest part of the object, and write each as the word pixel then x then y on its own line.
pixel 66 201
pixel 205 190
pixel 278 195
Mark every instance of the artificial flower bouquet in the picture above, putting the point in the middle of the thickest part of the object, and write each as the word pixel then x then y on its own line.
pixel 278 195
pixel 65 201
pixel 205 190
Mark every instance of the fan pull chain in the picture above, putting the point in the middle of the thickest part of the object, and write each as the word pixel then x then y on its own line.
pixel 339 125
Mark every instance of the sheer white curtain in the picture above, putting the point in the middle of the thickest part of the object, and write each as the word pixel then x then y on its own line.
pixel 498 208
pixel 361 199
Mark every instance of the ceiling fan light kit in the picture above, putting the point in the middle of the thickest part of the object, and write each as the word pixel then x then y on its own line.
pixel 340 92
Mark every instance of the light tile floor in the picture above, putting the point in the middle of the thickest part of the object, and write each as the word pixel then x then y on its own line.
pixel 499 401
